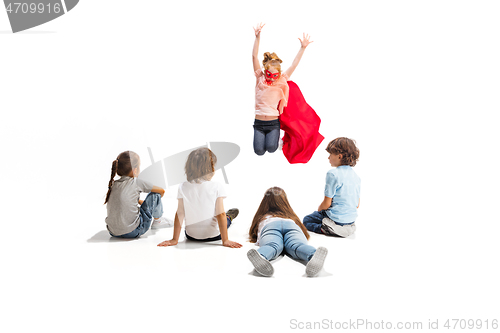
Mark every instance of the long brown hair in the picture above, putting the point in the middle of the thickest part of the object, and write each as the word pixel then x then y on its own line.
pixel 274 203
pixel 122 166
pixel 200 164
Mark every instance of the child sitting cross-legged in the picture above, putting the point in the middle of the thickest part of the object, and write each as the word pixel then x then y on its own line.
pixel 338 211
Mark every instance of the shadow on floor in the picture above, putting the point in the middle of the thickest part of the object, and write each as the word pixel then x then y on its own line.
pixel 103 236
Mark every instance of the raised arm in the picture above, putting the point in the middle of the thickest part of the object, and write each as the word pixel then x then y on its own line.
pixel 255 52
pixel 179 219
pixel 303 44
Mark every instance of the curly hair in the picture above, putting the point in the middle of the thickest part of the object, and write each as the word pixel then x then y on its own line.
pixel 346 147
pixel 271 59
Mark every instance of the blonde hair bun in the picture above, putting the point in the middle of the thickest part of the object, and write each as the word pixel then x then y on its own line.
pixel 271 59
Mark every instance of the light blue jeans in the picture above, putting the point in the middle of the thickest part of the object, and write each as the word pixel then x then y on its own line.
pixel 150 208
pixel 287 235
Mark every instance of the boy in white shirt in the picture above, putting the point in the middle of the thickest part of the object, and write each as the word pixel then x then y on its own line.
pixel 200 203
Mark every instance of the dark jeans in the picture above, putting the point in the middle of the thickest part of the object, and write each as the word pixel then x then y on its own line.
pixel 216 238
pixel 150 208
pixel 266 135
pixel 313 221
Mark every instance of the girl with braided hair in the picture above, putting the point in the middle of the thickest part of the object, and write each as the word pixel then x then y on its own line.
pixel 125 218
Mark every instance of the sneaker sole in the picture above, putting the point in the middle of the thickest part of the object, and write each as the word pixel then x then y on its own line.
pixel 261 265
pixel 316 263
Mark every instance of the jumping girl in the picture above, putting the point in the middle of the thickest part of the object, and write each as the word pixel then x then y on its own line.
pixel 276 227
pixel 200 203
pixel 125 218
pixel 271 89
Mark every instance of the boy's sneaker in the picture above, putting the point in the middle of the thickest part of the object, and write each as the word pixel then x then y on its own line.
pixel 261 264
pixel 162 222
pixel 232 213
pixel 327 230
pixel 316 263
pixel 338 230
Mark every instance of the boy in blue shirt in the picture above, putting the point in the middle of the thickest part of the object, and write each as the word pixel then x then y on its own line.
pixel 338 211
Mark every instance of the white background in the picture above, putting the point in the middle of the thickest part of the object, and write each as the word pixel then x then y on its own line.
pixel 415 83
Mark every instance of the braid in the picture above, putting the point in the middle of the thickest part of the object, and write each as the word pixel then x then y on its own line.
pixel 114 167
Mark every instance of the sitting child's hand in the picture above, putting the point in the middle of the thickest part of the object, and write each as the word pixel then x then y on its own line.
pixel 232 244
pixel 168 243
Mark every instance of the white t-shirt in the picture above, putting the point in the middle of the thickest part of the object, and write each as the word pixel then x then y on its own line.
pixel 199 207
pixel 265 221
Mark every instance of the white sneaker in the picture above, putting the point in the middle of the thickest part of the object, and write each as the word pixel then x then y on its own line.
pixel 261 264
pixel 162 222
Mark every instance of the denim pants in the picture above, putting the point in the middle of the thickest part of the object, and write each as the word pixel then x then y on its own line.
pixel 150 208
pixel 284 235
pixel 211 239
pixel 266 135
pixel 314 221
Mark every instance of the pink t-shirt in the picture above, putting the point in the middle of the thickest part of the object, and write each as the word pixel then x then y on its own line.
pixel 267 96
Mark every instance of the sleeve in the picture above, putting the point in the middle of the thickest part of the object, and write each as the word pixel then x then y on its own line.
pixel 331 184
pixel 258 73
pixel 179 192
pixel 144 186
pixel 221 191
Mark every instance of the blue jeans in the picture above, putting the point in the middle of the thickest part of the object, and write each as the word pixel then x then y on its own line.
pixel 150 208
pixel 314 221
pixel 266 136
pixel 216 238
pixel 287 235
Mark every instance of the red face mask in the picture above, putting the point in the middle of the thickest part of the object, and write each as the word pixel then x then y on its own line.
pixel 270 75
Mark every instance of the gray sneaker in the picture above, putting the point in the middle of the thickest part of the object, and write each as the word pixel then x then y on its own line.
pixel 261 264
pixel 316 263
pixel 232 213
pixel 338 230
pixel 327 230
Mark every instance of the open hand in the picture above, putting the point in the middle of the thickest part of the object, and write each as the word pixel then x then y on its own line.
pixel 258 28
pixel 232 244
pixel 305 41
pixel 168 243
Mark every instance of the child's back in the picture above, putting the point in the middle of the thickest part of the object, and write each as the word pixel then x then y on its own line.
pixel 123 209
pixel 199 201
pixel 343 186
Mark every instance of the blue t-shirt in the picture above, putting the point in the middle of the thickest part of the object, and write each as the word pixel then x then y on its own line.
pixel 343 186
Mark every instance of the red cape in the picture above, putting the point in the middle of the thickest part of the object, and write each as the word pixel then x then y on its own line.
pixel 301 125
